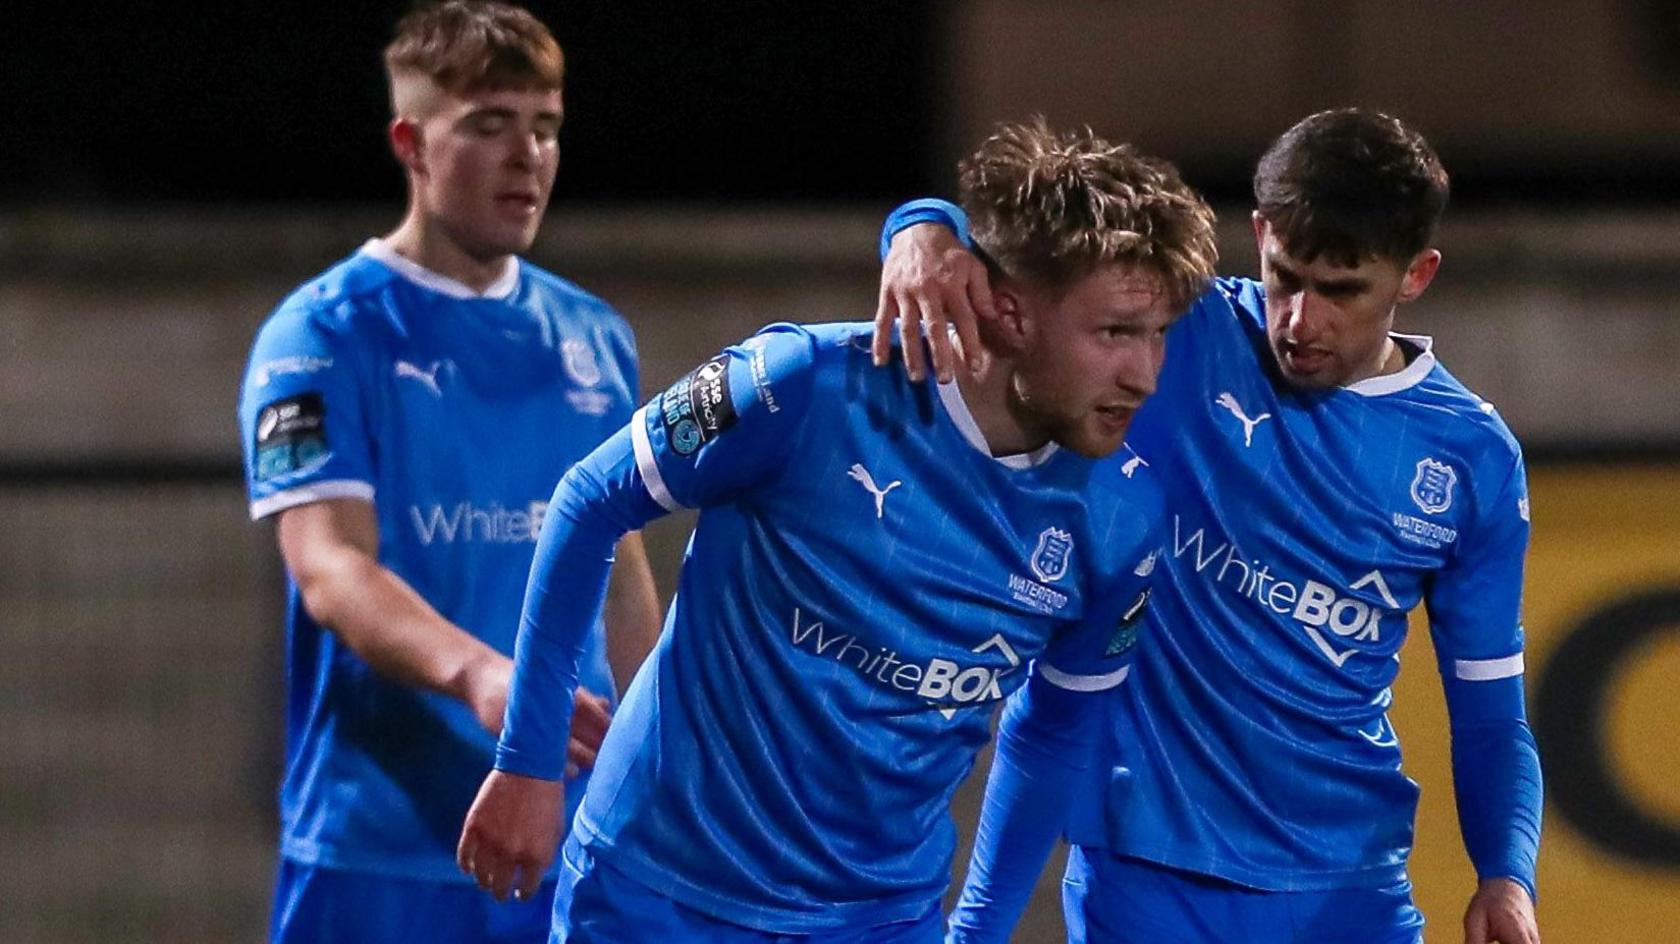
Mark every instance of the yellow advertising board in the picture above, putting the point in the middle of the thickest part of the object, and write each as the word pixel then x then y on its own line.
pixel 1602 611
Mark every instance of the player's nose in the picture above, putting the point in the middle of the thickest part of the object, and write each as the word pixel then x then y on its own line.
pixel 1305 319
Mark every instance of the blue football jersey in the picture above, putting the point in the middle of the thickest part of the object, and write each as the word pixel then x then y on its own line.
pixel 453 413
pixel 864 584
pixel 1303 526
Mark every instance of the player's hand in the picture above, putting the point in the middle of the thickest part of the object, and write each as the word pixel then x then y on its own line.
pixel 1501 911
pixel 930 281
pixel 590 718
pixel 484 687
pixel 511 834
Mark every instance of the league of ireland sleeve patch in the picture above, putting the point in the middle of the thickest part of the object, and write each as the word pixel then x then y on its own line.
pixel 697 408
pixel 1125 634
pixel 291 436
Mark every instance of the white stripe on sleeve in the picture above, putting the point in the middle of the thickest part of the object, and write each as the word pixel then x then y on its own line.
pixel 308 493
pixel 1487 670
pixel 646 465
pixel 1083 683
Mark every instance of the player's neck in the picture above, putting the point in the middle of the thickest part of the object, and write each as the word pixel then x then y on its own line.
pixel 430 248
pixel 989 395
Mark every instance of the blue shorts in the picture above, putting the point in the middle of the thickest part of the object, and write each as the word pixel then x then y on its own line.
pixel 595 904
pixel 314 905
pixel 1107 899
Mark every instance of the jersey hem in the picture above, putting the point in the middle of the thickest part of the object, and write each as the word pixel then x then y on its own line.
pixel 660 880
pixel 1264 880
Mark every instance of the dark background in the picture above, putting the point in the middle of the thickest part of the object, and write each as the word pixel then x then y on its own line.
pixel 696 103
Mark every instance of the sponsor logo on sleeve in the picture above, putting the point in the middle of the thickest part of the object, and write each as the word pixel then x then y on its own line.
pixel 697 409
pixel 281 366
pixel 291 436
pixel 1125 634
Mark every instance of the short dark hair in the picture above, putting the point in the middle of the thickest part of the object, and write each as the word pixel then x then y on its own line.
pixel 1351 184
pixel 1049 207
pixel 475 45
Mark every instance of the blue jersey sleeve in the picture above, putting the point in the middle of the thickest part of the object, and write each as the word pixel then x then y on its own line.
pixel 727 425
pixel 302 418
pixel 927 210
pixel 1047 742
pixel 716 432
pixel 1475 620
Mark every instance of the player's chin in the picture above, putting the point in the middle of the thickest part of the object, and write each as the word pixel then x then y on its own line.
pixel 1098 436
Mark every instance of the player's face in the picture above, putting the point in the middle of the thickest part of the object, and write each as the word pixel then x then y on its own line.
pixel 1328 324
pixel 1094 353
pixel 486 167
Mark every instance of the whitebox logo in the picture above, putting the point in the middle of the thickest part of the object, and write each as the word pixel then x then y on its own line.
pixel 1317 606
pixel 947 685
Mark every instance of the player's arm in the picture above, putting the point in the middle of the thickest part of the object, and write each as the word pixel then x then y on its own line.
pixel 669 456
pixel 632 610
pixel 1474 610
pixel 1049 762
pixel 1045 747
pixel 930 281
pixel 331 549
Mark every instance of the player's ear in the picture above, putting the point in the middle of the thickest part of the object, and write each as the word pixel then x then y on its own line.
pixel 1259 223
pixel 1419 273
pixel 1011 331
pixel 404 134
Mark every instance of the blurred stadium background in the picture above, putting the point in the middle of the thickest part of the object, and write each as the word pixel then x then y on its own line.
pixel 168 173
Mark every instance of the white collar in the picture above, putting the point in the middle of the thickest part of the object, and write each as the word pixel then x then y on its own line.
pixel 1409 376
pixel 958 410
pixel 381 251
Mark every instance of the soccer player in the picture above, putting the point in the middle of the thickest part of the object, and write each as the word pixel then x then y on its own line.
pixel 1324 475
pixel 875 564
pixel 405 415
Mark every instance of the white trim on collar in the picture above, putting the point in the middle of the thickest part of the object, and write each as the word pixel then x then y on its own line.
pixel 413 271
pixel 958 410
pixel 1409 376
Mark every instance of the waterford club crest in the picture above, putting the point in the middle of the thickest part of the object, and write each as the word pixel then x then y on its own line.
pixel 1050 558
pixel 1433 487
pixel 579 361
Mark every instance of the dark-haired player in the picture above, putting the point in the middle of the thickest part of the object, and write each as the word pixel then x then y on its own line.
pixel 1324 476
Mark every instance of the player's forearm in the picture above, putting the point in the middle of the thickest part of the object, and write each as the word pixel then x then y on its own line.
pixel 387 623
pixel 1496 778
pixel 1497 782
pixel 1046 744
pixel 632 614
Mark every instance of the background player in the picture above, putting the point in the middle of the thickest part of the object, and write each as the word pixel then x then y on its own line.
pixel 404 415
pixel 1324 475
pixel 847 614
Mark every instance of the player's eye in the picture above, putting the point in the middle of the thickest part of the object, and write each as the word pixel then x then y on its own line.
pixel 489 125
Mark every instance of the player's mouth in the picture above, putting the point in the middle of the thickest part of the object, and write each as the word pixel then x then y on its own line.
pixel 1114 419
pixel 1299 359
pixel 522 203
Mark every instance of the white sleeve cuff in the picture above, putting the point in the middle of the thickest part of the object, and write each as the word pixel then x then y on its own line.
pixel 309 493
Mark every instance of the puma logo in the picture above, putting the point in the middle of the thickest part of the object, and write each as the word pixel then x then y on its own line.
pixel 861 475
pixel 427 377
pixel 1229 402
